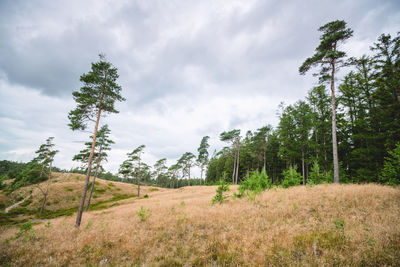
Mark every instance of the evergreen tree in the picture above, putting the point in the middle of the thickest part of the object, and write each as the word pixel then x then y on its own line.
pixel 320 142
pixel 330 59
pixel 187 161
pixel 159 169
pixel 202 159
pixel 126 169
pixel 234 138
pixel 260 139
pixel 96 96
pixel 45 157
pixel 135 158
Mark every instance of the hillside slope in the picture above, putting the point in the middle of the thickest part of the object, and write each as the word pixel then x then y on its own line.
pixel 63 198
pixel 320 225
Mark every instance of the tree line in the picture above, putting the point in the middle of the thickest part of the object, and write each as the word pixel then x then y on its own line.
pixel 355 133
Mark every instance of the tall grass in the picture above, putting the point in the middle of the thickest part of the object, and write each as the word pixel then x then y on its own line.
pixel 323 225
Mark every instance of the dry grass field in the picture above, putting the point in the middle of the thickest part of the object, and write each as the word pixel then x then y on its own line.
pixel 323 225
pixel 64 196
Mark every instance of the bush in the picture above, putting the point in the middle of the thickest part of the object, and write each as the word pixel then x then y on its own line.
pixel 391 170
pixel 143 213
pixel 256 182
pixel 291 177
pixel 223 187
pixel 317 176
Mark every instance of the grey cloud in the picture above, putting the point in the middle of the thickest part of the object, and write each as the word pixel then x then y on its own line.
pixel 187 68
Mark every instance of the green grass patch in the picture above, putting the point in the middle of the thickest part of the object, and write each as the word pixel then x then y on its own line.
pixel 100 190
pixel 26 203
pixel 11 218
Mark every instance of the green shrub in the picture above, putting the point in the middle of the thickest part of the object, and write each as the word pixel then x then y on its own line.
pixel 143 213
pixel 317 176
pixel 339 224
pixel 26 231
pixel 291 177
pixel 391 170
pixel 223 187
pixel 256 182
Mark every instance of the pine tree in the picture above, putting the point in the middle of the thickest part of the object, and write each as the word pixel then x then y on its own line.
pixel 202 159
pixel 45 158
pixel 234 138
pixel 97 95
pixel 330 59
pixel 187 161
pixel 135 158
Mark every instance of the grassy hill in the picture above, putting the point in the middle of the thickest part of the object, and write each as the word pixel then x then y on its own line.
pixel 64 196
pixel 319 225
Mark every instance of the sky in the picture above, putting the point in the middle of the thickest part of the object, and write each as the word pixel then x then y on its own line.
pixel 187 68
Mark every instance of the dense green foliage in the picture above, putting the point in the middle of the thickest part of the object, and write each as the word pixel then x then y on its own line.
pixel 10 169
pixel 223 187
pixel 31 174
pixel 291 177
pixel 391 170
pixel 368 128
pixel 256 182
pixel 317 176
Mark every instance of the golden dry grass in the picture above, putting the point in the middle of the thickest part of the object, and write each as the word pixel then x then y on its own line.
pixel 317 226
pixel 65 192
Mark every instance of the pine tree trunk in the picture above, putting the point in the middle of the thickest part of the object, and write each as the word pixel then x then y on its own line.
pixel 94 179
pixel 82 204
pixel 47 190
pixel 237 164
pixel 265 160
pixel 201 173
pixel 92 186
pixel 302 166
pixel 189 175
pixel 334 139
pixel 138 182
pixel 43 203
pixel 234 168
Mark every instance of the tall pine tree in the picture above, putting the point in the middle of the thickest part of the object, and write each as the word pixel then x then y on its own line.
pixel 96 97
pixel 330 60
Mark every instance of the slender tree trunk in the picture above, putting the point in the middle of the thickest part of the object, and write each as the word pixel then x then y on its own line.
pixel 201 174
pixel 189 175
pixel 234 168
pixel 334 139
pixel 265 160
pixel 138 182
pixel 302 166
pixel 94 179
pixel 82 204
pixel 92 186
pixel 47 191
pixel 43 203
pixel 237 164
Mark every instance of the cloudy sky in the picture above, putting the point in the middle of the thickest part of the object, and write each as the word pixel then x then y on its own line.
pixel 187 68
